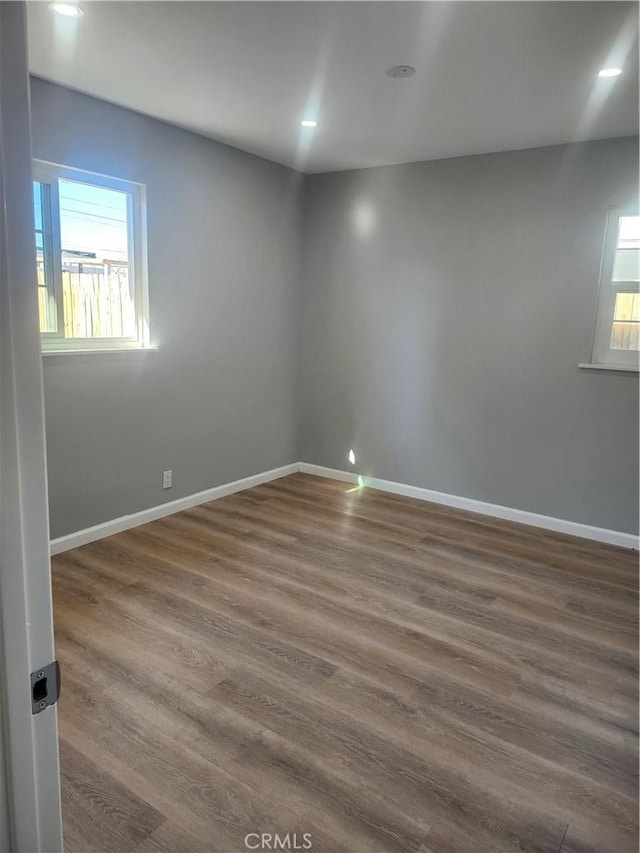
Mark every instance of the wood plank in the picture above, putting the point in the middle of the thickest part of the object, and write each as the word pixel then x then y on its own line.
pixel 100 814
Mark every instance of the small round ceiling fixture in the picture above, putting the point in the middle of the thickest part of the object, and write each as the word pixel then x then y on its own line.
pixel 71 10
pixel 610 72
pixel 308 122
pixel 401 71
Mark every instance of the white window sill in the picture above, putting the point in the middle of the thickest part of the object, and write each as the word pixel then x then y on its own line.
pixel 104 351
pixel 624 368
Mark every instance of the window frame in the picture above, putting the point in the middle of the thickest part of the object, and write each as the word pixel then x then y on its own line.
pixel 602 355
pixel 54 342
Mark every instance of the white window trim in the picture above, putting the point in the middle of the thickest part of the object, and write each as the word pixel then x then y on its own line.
pixel 602 356
pixel 137 240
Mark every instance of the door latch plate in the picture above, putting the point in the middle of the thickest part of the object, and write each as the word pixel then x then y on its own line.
pixel 45 686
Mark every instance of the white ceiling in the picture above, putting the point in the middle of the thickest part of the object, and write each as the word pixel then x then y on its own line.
pixel 490 76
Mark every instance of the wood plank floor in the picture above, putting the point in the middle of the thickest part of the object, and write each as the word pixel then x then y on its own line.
pixel 381 673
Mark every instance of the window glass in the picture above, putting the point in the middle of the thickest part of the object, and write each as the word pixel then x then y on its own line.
pixel 626 264
pixel 97 292
pixel 47 307
pixel 626 322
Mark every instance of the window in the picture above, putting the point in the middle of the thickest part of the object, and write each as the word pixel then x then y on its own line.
pixel 617 334
pixel 90 260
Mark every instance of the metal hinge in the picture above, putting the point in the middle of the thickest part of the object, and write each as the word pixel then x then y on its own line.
pixel 45 687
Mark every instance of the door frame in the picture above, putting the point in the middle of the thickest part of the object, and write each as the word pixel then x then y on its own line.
pixel 31 764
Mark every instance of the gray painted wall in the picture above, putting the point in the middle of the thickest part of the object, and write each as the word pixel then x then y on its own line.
pixel 446 308
pixel 216 402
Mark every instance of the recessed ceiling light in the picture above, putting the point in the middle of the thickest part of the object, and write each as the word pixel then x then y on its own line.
pixel 308 122
pixel 401 71
pixel 610 72
pixel 71 10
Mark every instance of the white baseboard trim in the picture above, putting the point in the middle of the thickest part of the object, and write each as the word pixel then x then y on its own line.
pixel 559 525
pixel 126 522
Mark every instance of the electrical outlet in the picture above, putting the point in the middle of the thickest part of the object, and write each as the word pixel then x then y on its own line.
pixel 167 479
